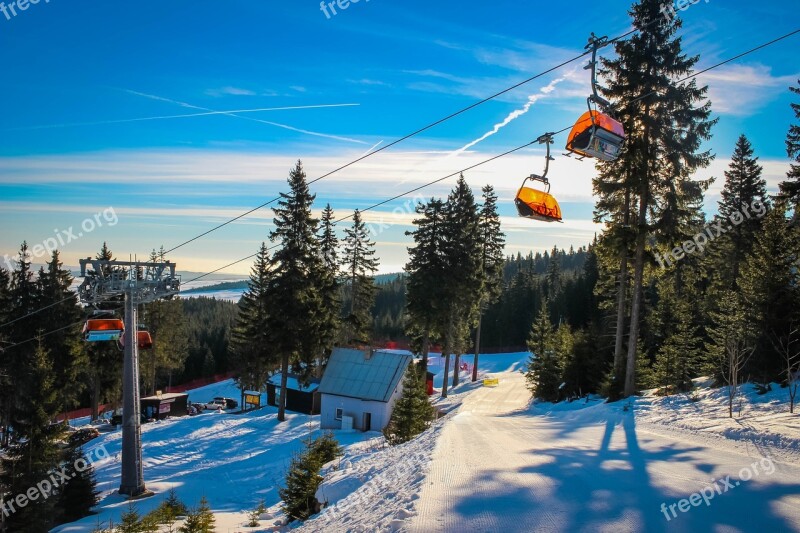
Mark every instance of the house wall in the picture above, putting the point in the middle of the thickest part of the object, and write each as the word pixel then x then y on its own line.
pixel 380 411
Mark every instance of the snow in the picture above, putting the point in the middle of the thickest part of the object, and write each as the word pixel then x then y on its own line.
pixel 494 461
pixel 234 460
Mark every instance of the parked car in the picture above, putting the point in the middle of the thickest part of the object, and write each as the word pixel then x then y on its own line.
pixel 217 403
pixel 230 403
pixel 82 436
pixel 199 407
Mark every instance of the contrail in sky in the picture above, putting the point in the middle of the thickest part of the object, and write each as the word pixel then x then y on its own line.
pixel 514 115
pixel 205 112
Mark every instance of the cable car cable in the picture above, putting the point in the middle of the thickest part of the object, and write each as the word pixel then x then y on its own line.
pixel 739 56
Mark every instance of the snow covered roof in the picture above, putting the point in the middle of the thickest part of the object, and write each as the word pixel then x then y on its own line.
pixel 292 383
pixel 352 373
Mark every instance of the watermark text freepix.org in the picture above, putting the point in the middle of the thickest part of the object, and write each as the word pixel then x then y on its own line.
pixel 330 7
pixel 63 237
pixel 711 232
pixel 670 12
pixel 47 487
pixel 11 9
pixel 718 487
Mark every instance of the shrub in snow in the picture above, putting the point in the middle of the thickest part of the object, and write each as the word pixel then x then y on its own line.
pixel 254 516
pixel 327 447
pixel 303 478
pixel 199 520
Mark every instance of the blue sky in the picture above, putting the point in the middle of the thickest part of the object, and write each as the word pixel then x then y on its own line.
pixel 91 91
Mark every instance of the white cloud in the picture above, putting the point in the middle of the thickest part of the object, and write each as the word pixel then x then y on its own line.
pixel 230 91
pixel 742 90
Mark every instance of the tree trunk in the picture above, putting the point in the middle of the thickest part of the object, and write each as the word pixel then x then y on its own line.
pixel 457 370
pixel 477 349
pixel 284 379
pixel 446 371
pixel 426 346
pixel 95 398
pixel 636 304
pixel 622 292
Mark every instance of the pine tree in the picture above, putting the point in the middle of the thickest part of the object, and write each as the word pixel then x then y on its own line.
pixel 666 123
pixel 769 288
pixel 297 317
pixel 680 357
pixel 790 189
pixel 492 243
pixel 413 412
pixel 329 282
pixel 302 480
pixel 461 251
pixel 200 519
pixel 253 354
pixel 104 371
pixel 130 521
pixel 359 266
pixel 165 321
pixel 79 494
pixel 34 453
pixel 544 367
pixel 425 269
pixel 745 190
pixel 326 448
pixel 64 347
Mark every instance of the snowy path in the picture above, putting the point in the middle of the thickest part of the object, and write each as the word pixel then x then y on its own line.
pixel 497 467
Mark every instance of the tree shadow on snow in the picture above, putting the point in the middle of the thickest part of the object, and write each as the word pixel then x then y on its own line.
pixel 617 488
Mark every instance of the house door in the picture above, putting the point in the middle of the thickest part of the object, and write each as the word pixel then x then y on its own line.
pixel 367 426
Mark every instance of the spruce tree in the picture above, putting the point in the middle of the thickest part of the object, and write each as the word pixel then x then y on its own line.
pixel 744 189
pixel 544 367
pixel 34 452
pixel 130 521
pixel 297 320
pixel 79 494
pixel 680 357
pixel 790 189
pixel 253 356
pixel 359 266
pixel 104 371
pixel 666 122
pixel 413 412
pixel 166 323
pixel 769 288
pixel 425 269
pixel 302 480
pixel 492 243
pixel 67 355
pixel 329 283
pixel 461 251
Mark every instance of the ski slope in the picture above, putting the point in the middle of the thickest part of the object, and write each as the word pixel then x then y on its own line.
pixel 502 465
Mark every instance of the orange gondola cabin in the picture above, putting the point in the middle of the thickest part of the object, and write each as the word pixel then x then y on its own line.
pixel 536 204
pixel 100 330
pixel 596 135
pixel 144 339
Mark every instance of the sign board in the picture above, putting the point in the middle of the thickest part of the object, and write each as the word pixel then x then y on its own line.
pixel 164 408
pixel 252 399
pixel 491 382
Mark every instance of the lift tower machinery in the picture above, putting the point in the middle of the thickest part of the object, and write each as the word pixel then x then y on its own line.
pixel 139 283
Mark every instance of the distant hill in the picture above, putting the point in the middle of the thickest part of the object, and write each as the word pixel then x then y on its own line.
pixel 381 279
pixel 225 286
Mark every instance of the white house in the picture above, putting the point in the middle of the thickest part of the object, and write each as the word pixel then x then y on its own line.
pixel 361 386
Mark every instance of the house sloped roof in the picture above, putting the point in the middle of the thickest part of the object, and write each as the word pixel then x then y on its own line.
pixel 349 373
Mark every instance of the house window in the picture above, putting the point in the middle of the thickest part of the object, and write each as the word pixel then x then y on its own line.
pixel 339 413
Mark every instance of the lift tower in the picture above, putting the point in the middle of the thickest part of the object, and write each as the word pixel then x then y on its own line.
pixel 140 283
